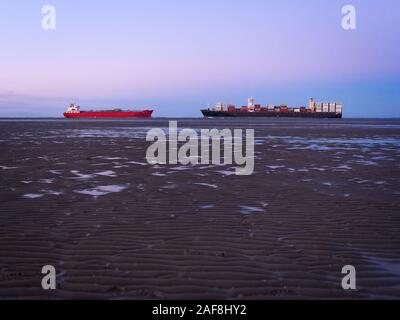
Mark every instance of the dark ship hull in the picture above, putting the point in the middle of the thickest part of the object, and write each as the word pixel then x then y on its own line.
pixel 271 114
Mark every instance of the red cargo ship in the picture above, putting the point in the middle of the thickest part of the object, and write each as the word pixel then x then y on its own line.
pixel 74 112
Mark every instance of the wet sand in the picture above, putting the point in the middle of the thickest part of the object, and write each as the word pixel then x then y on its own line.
pixel 80 195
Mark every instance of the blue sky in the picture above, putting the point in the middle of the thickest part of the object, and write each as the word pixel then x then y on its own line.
pixel 178 56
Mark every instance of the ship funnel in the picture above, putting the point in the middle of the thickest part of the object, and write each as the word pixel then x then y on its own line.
pixel 250 102
pixel 312 105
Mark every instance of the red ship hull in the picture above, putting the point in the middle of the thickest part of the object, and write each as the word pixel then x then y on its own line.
pixel 109 114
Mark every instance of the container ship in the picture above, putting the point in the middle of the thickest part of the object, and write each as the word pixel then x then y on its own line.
pixel 74 112
pixel 315 110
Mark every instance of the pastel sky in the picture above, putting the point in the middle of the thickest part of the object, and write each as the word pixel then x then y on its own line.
pixel 178 56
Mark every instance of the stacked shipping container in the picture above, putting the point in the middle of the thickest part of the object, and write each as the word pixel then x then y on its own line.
pixel 315 107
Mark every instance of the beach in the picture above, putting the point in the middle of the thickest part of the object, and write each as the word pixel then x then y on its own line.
pixel 80 195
